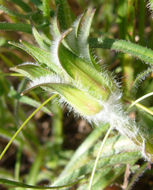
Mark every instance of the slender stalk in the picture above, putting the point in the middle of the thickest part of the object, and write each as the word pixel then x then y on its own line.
pixel 13 74
pixel 144 108
pixel 25 122
pixel 140 99
pixel 98 157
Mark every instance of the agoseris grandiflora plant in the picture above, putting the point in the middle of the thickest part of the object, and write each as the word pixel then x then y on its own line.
pixel 70 70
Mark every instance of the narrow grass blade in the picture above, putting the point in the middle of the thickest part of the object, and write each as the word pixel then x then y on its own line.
pixel 16 27
pixel 144 108
pixel 12 183
pixel 141 98
pixel 26 121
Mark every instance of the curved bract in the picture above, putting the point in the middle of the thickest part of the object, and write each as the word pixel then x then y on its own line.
pixel 70 70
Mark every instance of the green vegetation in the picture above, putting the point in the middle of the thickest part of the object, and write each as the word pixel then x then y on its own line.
pixel 50 66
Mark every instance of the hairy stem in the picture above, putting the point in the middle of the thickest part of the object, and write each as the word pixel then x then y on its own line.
pixel 140 52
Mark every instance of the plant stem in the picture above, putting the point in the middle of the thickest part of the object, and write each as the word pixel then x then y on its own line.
pixel 140 99
pixel 144 108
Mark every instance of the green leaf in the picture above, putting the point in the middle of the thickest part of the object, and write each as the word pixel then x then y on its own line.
pixel 31 70
pixel 113 145
pixel 38 54
pixel 104 163
pixel 41 40
pixel 22 27
pixel 85 25
pixel 12 183
pixel 55 29
pixel 108 176
pixel 78 38
pixel 83 34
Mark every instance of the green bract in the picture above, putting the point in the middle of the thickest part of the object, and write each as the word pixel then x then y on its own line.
pixel 69 69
